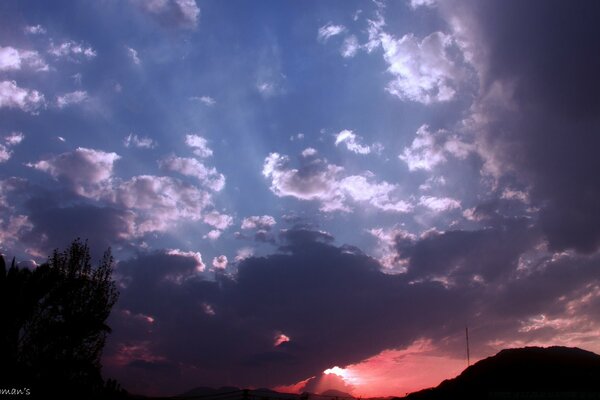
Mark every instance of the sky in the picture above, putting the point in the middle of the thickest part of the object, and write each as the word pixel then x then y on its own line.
pixel 310 195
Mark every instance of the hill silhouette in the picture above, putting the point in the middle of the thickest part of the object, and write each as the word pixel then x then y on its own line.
pixel 524 373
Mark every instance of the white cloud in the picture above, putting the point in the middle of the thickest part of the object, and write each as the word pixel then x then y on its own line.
pixel 319 181
pixel 214 234
pixel 218 220
pixel 5 153
pixel 243 253
pixel 34 30
pixel 353 143
pixel 220 262
pixel 14 138
pixel 298 136
pixel 67 99
pixel 196 256
pixel 421 3
pixel 512 194
pixel 378 195
pixel 11 140
pixel 328 30
pixel 133 54
pixel 83 169
pixel 350 47
pixel 141 142
pixel 13 96
pixel 439 204
pixel 185 12
pixel 424 70
pixel 206 100
pixel 12 59
pixel 309 152
pixel 386 247
pixel 264 222
pixel 159 202
pixel 194 168
pixel 199 145
pixel 72 51
pixel 429 149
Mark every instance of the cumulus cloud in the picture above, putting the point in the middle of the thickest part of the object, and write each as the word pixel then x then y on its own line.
pixel 431 148
pixel 141 142
pixel 34 30
pixel 424 70
pixel 218 220
pixel 84 170
pixel 133 55
pixel 72 51
pixel 319 181
pixel 10 141
pixel 199 145
pixel 329 30
pixel 440 289
pixel 220 262
pixel 206 100
pixel 264 222
pixel 353 143
pixel 13 96
pixel 209 177
pixel 68 99
pixel 180 13
pixel 439 204
pixel 159 202
pixel 350 47
pixel 196 256
pixel 534 121
pixel 12 59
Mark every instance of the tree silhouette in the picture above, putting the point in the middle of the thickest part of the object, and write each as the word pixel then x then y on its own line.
pixel 53 323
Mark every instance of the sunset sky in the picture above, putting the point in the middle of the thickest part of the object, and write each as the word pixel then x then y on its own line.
pixel 305 195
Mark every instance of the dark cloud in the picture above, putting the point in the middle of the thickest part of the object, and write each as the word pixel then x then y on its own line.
pixel 334 304
pixel 539 99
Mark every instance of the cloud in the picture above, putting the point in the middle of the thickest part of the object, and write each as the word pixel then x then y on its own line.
pixel 535 116
pixel 199 145
pixel 10 141
pixel 209 177
pixel 353 143
pixel 133 54
pixel 180 13
pixel 34 30
pixel 220 262
pixel 439 204
pixel 12 59
pixel 13 96
pixel 196 256
pixel 431 148
pixel 264 222
pixel 218 220
pixel 329 30
pixel 84 170
pixel 350 47
pixel 72 51
pixel 319 181
pixel 141 142
pixel 424 70
pixel 206 100
pixel 159 202
pixel 68 99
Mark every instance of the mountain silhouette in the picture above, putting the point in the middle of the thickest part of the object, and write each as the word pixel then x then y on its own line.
pixel 524 373
pixel 335 393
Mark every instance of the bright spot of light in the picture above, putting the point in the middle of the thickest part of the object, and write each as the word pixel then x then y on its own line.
pixel 280 338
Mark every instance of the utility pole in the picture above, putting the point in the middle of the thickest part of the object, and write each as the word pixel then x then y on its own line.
pixel 468 351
